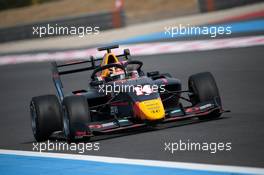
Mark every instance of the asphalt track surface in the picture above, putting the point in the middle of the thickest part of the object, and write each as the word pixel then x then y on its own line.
pixel 239 73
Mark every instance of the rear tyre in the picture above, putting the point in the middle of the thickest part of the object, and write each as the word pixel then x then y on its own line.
pixel 204 88
pixel 45 116
pixel 76 115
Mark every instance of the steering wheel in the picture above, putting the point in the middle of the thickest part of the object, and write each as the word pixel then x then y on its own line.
pixel 100 69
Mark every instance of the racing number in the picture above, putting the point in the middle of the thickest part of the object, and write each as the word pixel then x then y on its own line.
pixel 145 90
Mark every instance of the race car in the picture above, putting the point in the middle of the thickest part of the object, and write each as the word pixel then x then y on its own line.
pixel 120 96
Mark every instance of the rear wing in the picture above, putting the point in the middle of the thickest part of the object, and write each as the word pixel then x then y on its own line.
pixel 57 69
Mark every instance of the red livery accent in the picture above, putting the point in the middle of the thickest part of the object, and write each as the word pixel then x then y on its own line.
pixel 80 133
pixel 119 103
pixel 193 109
pixel 96 126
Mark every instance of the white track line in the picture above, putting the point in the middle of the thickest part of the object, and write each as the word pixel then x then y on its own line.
pixel 139 49
pixel 154 163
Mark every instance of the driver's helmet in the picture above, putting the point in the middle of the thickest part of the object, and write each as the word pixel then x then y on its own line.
pixel 116 73
pixel 112 72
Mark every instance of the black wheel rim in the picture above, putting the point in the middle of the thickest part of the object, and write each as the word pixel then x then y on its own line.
pixel 33 118
pixel 66 123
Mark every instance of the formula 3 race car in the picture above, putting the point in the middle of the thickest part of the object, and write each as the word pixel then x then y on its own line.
pixel 120 96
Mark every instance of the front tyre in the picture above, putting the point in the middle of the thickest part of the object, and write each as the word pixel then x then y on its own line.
pixel 204 89
pixel 45 116
pixel 76 116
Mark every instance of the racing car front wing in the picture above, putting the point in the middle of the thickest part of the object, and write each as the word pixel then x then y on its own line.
pixel 124 124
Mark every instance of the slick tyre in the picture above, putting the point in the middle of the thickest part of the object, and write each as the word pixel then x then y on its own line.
pixel 204 88
pixel 76 116
pixel 45 116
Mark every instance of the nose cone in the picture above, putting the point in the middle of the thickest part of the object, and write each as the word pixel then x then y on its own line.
pixel 150 110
